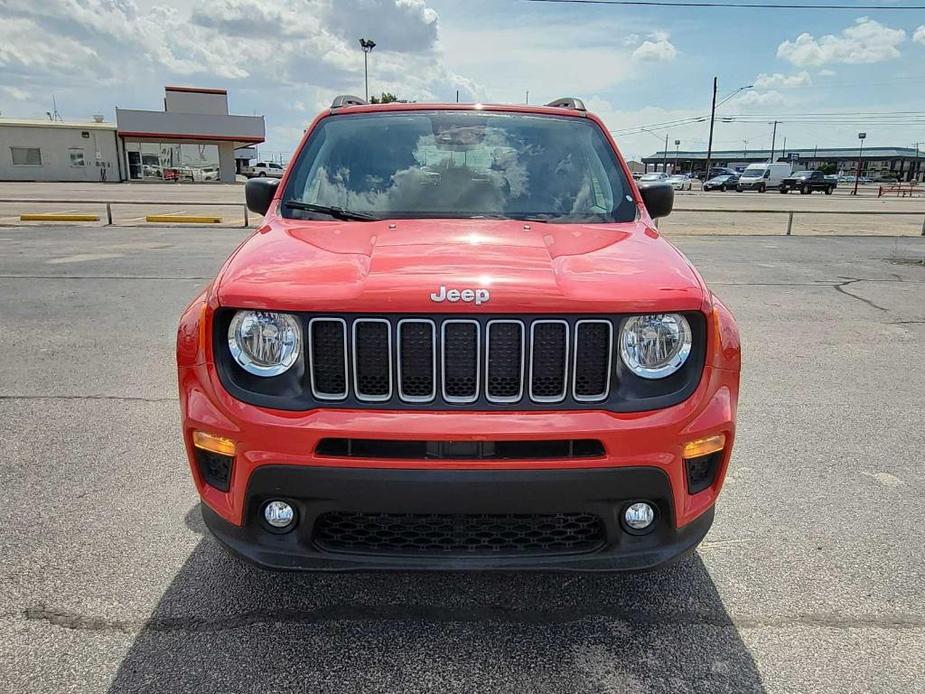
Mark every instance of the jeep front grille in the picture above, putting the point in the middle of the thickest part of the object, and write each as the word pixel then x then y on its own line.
pixel 458 534
pixel 460 360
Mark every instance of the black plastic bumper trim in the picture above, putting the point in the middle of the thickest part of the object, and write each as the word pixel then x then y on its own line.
pixel 316 490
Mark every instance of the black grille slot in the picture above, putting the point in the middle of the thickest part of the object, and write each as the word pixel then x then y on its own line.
pixel 460 450
pixel 549 356
pixel 458 534
pixel 416 360
pixel 702 471
pixel 328 358
pixel 592 360
pixel 460 361
pixel 373 359
pixel 215 468
pixel 504 381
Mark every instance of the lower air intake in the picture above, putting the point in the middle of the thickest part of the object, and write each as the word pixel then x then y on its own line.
pixel 458 534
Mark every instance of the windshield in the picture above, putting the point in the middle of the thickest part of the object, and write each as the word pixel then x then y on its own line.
pixel 753 173
pixel 803 174
pixel 652 177
pixel 444 164
pixel 678 177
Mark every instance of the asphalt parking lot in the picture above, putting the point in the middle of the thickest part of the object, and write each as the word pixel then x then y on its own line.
pixel 811 579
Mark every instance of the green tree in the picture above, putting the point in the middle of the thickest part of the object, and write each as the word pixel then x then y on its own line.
pixel 385 98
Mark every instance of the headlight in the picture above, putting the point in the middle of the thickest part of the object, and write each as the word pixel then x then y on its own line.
pixel 656 345
pixel 264 343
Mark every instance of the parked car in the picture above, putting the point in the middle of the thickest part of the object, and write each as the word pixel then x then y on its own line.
pixel 264 169
pixel 680 182
pixel 716 171
pixel 653 177
pixel 722 183
pixel 760 177
pixel 383 393
pixel 806 182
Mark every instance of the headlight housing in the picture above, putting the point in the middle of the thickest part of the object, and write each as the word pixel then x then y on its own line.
pixel 655 345
pixel 265 343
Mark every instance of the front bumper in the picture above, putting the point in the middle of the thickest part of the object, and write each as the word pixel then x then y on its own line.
pixel 314 491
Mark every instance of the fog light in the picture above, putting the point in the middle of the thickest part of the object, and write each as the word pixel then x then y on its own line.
pixel 278 514
pixel 639 516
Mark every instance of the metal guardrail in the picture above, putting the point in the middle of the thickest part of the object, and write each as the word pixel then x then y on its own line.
pixel 791 213
pixel 109 204
pixel 198 203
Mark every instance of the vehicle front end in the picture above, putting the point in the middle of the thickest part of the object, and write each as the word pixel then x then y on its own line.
pixel 386 386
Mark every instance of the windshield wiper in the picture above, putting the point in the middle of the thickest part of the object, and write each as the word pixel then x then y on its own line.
pixel 333 211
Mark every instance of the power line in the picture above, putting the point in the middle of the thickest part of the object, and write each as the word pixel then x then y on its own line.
pixel 738 5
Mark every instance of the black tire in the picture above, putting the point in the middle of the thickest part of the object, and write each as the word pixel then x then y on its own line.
pixel 829 190
pixel 784 190
pixel 805 190
pixel 722 188
pixel 762 188
pixel 261 175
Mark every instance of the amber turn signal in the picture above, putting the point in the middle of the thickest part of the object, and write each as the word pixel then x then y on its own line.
pixel 215 444
pixel 704 446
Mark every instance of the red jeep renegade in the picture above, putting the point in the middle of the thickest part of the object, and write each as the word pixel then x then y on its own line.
pixel 457 341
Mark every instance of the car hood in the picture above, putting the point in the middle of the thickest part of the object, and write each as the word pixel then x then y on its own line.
pixel 396 266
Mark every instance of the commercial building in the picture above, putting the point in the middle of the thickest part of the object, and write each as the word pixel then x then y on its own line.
pixel 902 163
pixel 37 150
pixel 193 139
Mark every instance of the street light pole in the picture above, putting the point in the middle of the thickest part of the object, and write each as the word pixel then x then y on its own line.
pixel 857 174
pixel 745 151
pixel 367 45
pixel 914 173
pixel 677 144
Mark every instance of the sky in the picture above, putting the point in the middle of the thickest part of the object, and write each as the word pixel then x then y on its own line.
pixel 825 74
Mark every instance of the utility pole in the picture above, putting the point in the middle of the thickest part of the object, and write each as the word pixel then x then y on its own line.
pixel 784 150
pixel 745 151
pixel 706 173
pixel 773 141
pixel 857 175
pixel 677 143
pixel 527 97
pixel 665 156
pixel 367 45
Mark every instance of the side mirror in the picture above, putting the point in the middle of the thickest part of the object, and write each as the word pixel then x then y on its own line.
pixel 658 197
pixel 259 192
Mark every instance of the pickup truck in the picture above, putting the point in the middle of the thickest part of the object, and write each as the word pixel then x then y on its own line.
pixel 264 170
pixel 806 182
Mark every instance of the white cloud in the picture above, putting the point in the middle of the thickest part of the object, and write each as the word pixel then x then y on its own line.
pixel 276 58
pixel 919 35
pixel 767 98
pixel 656 48
pixel 866 41
pixel 776 80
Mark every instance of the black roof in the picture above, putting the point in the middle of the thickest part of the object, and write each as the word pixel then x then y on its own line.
pixel 850 153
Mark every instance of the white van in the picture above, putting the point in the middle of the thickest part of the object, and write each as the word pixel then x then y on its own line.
pixel 760 177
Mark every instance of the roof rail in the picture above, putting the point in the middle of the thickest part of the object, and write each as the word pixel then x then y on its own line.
pixel 568 102
pixel 347 100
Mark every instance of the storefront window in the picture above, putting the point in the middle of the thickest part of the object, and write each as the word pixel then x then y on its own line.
pixel 172 162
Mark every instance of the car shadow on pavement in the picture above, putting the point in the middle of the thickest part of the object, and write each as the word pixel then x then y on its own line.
pixel 226 626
